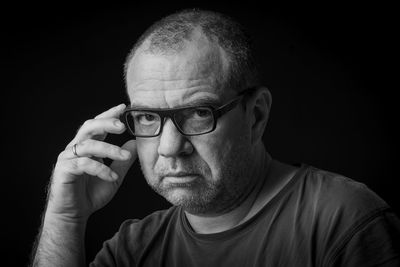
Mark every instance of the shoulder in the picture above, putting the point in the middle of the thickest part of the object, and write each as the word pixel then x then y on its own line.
pixel 331 201
pixel 344 218
pixel 340 194
pixel 348 218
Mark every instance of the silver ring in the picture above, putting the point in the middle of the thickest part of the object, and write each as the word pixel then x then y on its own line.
pixel 74 150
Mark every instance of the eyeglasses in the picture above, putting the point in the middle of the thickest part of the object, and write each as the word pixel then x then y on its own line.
pixel 189 120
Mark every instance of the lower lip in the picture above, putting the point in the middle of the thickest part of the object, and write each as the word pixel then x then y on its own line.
pixel 180 179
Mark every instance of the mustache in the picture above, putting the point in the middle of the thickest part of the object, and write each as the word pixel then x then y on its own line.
pixel 180 169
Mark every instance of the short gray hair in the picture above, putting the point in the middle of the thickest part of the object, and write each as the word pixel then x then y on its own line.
pixel 169 34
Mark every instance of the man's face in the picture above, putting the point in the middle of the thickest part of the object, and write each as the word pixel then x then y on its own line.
pixel 206 173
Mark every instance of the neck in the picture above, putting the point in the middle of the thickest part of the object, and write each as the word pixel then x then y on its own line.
pixel 222 222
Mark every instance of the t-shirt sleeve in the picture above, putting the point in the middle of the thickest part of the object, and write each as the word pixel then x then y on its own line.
pixel 375 242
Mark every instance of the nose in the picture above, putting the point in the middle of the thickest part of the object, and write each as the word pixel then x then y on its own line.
pixel 172 142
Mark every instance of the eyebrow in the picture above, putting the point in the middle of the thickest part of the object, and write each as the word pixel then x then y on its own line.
pixel 203 101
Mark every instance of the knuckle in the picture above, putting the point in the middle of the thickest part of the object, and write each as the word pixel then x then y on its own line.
pixel 109 149
pixel 100 145
pixel 100 169
pixel 119 152
pixel 85 143
pixel 103 168
pixel 81 163
pixel 88 122
pixel 61 155
pixel 94 146
pixel 67 166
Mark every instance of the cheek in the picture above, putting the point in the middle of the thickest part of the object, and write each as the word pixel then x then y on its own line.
pixel 147 153
pixel 214 150
pixel 225 145
pixel 212 154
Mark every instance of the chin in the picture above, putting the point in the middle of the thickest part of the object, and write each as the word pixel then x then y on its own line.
pixel 179 196
pixel 190 200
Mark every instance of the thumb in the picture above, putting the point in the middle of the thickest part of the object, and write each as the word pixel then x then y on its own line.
pixel 121 167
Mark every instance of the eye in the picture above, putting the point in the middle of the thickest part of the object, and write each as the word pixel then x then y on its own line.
pixel 145 118
pixel 202 113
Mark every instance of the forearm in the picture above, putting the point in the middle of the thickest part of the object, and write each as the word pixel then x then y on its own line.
pixel 61 243
pixel 80 185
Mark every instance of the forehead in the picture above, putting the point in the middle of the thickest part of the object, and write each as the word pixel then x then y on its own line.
pixel 176 79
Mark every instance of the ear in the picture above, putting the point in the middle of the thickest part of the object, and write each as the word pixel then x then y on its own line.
pixel 258 109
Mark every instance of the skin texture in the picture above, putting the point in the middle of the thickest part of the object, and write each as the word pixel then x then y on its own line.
pixel 216 165
pixel 80 185
pixel 221 179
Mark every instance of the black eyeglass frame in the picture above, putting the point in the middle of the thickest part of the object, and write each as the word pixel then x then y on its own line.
pixel 170 113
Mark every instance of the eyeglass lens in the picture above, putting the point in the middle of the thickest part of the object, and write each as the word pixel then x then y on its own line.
pixel 189 121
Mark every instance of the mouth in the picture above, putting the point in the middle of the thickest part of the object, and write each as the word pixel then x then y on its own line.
pixel 180 177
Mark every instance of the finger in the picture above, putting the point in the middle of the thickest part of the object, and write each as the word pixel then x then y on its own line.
pixel 112 112
pixel 98 149
pixel 98 128
pixel 94 168
pixel 101 135
pixel 122 167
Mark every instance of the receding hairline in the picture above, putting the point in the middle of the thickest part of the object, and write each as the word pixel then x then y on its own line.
pixel 168 36
pixel 214 53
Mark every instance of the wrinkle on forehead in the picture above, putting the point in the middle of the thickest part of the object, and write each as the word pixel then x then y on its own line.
pixel 160 98
pixel 161 92
pixel 174 99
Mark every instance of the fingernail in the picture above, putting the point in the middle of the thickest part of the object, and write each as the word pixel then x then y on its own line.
pixel 118 107
pixel 114 175
pixel 125 153
pixel 118 123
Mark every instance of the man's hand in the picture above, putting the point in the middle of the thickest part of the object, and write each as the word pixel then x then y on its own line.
pixel 82 184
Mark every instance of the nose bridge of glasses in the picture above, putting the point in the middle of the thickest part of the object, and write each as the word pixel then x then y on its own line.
pixel 171 114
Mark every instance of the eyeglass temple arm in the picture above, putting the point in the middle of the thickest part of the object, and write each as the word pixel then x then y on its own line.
pixel 227 107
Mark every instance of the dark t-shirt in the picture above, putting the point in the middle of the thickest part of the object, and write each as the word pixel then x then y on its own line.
pixel 318 219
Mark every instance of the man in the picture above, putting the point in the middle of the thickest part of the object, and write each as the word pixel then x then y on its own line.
pixel 198 115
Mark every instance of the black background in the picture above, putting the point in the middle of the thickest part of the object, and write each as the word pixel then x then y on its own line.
pixel 329 68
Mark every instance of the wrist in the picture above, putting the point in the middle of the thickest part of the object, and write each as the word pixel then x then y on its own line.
pixel 57 212
pixel 65 220
pixel 61 237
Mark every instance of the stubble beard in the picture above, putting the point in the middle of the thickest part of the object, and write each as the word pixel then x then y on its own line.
pixel 209 195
